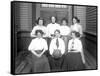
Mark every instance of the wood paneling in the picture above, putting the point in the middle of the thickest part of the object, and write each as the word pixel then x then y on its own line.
pixel 23 16
pixel 91 31
pixel 91 20
pixel 91 44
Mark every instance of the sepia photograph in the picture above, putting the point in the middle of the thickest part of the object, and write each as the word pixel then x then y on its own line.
pixel 53 37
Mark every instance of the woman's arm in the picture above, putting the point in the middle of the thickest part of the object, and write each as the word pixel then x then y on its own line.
pixel 62 48
pixel 34 52
pixel 32 34
pixel 80 49
pixel 42 52
pixel 45 47
pixel 80 31
pixel 69 45
pixel 83 58
pixel 31 48
pixel 51 48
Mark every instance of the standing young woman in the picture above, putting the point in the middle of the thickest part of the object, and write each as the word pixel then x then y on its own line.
pixel 76 26
pixel 51 27
pixel 39 26
pixel 65 32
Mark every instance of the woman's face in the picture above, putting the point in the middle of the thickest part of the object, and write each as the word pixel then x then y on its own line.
pixel 39 35
pixel 64 22
pixel 57 34
pixel 40 22
pixel 74 21
pixel 73 35
pixel 53 19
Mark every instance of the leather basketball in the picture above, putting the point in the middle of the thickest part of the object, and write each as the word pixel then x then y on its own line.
pixel 57 53
pixel 38 51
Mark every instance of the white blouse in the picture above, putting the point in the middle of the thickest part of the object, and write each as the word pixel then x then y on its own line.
pixel 37 27
pixel 53 45
pixel 38 44
pixel 65 30
pixel 52 27
pixel 75 44
pixel 76 27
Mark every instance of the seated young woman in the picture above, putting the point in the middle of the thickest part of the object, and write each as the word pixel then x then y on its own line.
pixel 56 50
pixel 75 59
pixel 38 46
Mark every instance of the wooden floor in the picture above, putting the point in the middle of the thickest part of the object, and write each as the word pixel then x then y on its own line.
pixel 91 63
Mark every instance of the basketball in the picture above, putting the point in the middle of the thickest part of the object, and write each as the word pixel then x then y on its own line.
pixel 38 51
pixel 57 53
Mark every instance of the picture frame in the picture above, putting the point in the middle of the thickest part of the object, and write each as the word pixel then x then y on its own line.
pixel 24 16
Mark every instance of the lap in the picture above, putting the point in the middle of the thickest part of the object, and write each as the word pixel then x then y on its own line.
pixel 73 61
pixel 55 64
pixel 38 64
pixel 42 65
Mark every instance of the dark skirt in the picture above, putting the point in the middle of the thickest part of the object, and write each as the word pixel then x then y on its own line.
pixel 73 61
pixel 38 64
pixel 27 62
pixel 55 63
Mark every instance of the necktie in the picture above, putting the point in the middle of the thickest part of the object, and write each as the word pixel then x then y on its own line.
pixel 57 43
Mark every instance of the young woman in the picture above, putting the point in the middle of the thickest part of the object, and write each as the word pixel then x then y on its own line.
pixel 39 26
pixel 76 26
pixel 38 46
pixel 75 59
pixel 51 27
pixel 56 50
pixel 65 32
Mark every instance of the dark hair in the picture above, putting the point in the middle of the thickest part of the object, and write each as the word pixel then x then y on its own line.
pixel 77 19
pixel 57 30
pixel 40 31
pixel 77 34
pixel 55 18
pixel 64 19
pixel 40 18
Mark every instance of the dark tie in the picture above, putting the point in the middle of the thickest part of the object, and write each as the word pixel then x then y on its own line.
pixel 57 43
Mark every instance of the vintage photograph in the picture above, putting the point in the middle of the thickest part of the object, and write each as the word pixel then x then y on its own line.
pixel 52 37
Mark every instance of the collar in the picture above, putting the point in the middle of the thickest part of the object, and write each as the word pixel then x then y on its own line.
pixel 40 25
pixel 76 24
pixel 57 38
pixel 76 39
pixel 38 38
pixel 53 23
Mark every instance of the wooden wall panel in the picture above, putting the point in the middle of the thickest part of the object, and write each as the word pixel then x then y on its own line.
pixel 91 31
pixel 91 20
pixel 25 16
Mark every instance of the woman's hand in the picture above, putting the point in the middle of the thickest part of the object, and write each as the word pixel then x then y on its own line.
pixel 37 53
pixel 41 52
